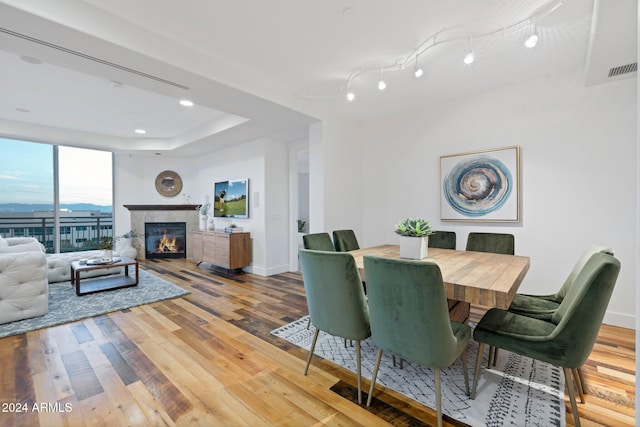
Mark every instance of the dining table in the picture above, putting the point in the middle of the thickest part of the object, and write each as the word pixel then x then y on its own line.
pixel 479 278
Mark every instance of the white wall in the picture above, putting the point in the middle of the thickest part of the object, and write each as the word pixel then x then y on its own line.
pixel 578 150
pixel 135 176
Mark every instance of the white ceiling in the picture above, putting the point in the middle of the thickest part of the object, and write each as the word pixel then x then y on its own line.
pixel 261 69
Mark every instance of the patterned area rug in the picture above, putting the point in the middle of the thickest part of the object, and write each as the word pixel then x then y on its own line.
pixel 518 391
pixel 65 306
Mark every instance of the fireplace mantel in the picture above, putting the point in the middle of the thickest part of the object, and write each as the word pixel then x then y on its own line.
pixel 162 207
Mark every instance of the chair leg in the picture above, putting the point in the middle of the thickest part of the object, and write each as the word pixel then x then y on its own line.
pixel 438 398
pixel 490 359
pixel 495 355
pixel 465 370
pixel 358 368
pixel 578 381
pixel 582 383
pixel 313 346
pixel 309 323
pixel 373 377
pixel 478 363
pixel 572 396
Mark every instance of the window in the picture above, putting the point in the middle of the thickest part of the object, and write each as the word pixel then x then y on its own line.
pixel 27 193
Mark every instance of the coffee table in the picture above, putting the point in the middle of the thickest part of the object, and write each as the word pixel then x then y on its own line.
pixel 99 284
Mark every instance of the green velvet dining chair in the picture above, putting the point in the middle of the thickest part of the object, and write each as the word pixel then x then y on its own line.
pixel 566 340
pixel 543 306
pixel 497 243
pixel 410 317
pixel 442 240
pixel 318 242
pixel 336 300
pixel 345 240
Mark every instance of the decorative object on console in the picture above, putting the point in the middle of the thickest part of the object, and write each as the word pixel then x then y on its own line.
pixel 231 198
pixel 168 183
pixel 481 186
pixel 204 211
pixel 414 237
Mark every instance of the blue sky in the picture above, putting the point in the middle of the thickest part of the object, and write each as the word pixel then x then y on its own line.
pixel 26 174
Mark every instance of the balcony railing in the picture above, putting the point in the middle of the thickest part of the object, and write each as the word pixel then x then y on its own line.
pixel 77 233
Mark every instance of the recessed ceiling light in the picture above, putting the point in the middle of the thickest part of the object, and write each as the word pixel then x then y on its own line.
pixel 23 110
pixel 186 103
pixel 31 60
pixel 158 154
pixel 140 131
pixel 115 83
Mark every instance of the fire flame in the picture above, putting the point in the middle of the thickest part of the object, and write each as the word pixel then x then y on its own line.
pixel 167 245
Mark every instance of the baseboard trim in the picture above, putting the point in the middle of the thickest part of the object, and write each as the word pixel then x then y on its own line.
pixel 620 319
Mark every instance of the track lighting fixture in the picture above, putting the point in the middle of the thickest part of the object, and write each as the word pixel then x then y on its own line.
pixel 381 84
pixel 447 35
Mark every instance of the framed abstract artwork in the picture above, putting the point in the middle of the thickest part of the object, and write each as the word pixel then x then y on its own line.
pixel 481 186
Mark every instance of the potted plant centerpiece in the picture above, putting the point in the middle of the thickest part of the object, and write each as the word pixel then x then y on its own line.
pixel 106 244
pixel 414 234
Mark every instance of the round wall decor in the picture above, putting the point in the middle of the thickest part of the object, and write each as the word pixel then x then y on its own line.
pixel 168 183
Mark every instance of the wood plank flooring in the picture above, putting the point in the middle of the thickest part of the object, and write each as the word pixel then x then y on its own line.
pixel 207 359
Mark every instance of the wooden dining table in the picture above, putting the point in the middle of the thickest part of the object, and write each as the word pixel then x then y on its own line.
pixel 480 278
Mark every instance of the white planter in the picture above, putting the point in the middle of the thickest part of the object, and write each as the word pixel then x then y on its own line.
pixel 413 247
pixel 203 222
pixel 107 254
pixel 127 249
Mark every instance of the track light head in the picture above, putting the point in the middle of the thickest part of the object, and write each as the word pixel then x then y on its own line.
pixel 468 59
pixel 532 41
pixel 418 72
pixel 381 84
pixel 350 96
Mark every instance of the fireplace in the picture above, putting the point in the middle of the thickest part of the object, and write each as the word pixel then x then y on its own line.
pixel 165 240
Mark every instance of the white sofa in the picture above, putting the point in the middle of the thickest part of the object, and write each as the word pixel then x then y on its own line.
pixel 58 265
pixel 24 290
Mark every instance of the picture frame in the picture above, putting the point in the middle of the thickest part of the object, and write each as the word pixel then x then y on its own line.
pixel 481 186
pixel 168 183
pixel 231 198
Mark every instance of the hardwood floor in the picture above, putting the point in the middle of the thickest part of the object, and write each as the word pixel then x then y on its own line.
pixel 208 359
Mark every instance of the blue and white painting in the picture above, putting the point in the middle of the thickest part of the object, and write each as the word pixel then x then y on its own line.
pixel 481 186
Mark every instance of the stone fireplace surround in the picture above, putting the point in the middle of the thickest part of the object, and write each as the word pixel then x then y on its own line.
pixel 162 213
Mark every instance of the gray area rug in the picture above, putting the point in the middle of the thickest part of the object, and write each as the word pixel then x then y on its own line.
pixel 519 391
pixel 65 306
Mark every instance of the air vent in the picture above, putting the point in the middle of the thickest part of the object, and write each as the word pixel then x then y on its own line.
pixel 623 69
pixel 93 58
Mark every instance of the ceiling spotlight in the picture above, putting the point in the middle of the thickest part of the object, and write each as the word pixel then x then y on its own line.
pixel 350 95
pixel 140 131
pixel 532 41
pixel 417 71
pixel 186 103
pixel 468 59
pixel 381 84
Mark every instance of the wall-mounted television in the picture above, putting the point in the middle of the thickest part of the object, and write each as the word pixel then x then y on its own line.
pixel 231 199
